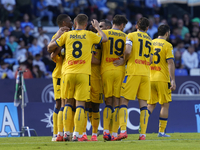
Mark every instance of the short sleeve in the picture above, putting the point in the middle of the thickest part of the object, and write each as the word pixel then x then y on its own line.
pixel 61 40
pixel 95 38
pixel 169 52
pixel 129 40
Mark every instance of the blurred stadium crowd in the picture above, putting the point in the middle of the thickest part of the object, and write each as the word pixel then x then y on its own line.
pixel 21 45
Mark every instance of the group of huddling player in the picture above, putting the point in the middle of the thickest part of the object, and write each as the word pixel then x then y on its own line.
pixel 90 62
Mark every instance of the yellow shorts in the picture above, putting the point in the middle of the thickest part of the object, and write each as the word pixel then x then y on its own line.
pixel 160 92
pixel 112 81
pixel 76 86
pixel 96 91
pixel 133 86
pixel 56 88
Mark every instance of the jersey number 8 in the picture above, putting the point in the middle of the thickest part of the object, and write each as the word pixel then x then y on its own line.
pixel 77 50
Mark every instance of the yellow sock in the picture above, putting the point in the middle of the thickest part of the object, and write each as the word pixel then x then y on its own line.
pixel 162 124
pixel 55 118
pixel 67 118
pixel 111 123
pixel 95 121
pixel 79 118
pixel 123 115
pixel 115 120
pixel 90 115
pixel 144 117
pixel 106 116
pixel 60 120
pixel 85 122
pixel 72 123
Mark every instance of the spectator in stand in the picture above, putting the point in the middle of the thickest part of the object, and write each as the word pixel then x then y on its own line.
pixel 150 5
pixel 187 39
pixel 110 16
pixel 176 33
pixel 25 7
pixel 8 10
pixel 5 72
pixel 7 26
pixel 55 6
pixel 35 48
pixel 101 6
pixel 70 6
pixel 5 51
pixel 37 61
pixel 13 45
pixel 37 73
pixel 186 20
pixel 23 67
pixel 46 57
pixel 194 37
pixel 195 22
pixel 182 28
pixel 17 32
pixel 178 61
pixel 6 35
pixel 30 62
pixel 27 37
pixel 41 36
pixel 152 29
pixel 26 23
pixel 21 52
pixel 190 58
pixel 156 20
pixel 173 22
pixel 43 11
pixel 93 16
pixel 180 46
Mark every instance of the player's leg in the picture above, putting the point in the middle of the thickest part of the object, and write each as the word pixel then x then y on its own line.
pixel 129 90
pixel 107 82
pixel 68 118
pixel 164 99
pixel 81 94
pixel 87 105
pixel 143 95
pixel 95 120
pixel 154 97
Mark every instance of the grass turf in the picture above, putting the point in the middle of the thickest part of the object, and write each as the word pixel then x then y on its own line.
pixel 177 141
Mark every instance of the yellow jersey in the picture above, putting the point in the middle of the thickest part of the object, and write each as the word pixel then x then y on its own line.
pixel 139 60
pixel 78 50
pixel 113 49
pixel 163 51
pixel 96 69
pixel 58 60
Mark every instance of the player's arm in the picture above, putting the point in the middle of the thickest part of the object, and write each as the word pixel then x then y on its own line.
pixel 95 60
pixel 55 53
pixel 95 24
pixel 126 56
pixel 171 67
pixel 52 45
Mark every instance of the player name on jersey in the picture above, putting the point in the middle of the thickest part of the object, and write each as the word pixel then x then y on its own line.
pixel 116 33
pixel 144 36
pixel 76 36
pixel 158 44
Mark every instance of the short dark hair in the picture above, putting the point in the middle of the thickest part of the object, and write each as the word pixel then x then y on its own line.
pixel 163 29
pixel 119 19
pixel 81 19
pixel 143 23
pixel 61 18
pixel 107 22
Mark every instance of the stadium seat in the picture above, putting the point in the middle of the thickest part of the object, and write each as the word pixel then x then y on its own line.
pixel 181 72
pixel 195 72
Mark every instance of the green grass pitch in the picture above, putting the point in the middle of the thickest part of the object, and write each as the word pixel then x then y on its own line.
pixel 177 141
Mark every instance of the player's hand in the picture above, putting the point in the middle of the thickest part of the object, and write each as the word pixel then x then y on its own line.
pixel 62 30
pixel 119 62
pixel 95 24
pixel 173 85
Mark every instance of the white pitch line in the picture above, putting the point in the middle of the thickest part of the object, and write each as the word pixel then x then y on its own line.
pixel 99 141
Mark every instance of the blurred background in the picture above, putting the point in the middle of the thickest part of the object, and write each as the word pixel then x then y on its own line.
pixel 28 25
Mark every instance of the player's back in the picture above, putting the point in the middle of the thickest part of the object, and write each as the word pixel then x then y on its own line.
pixel 139 60
pixel 96 69
pixel 112 49
pixel 78 45
pixel 163 51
